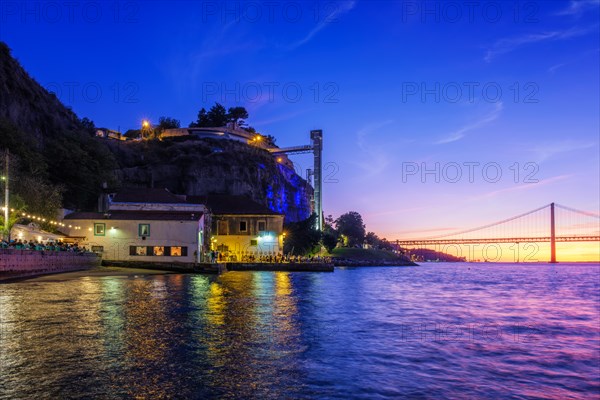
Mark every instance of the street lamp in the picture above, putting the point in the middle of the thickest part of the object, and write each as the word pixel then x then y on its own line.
pixel 146 128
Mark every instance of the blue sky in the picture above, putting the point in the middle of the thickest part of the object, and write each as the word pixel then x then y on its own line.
pixel 497 86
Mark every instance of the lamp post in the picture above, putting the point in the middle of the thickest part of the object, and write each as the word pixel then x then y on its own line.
pixel 6 208
pixel 146 129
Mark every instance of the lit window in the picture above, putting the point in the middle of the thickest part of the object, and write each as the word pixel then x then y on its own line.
pixel 99 229
pixel 243 226
pixel 144 230
pixel 141 251
pixel 176 251
pixel 159 251
pixel 253 242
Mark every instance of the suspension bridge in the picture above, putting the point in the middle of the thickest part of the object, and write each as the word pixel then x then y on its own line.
pixel 552 223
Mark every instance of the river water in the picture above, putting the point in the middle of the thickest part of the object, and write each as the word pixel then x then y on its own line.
pixel 444 330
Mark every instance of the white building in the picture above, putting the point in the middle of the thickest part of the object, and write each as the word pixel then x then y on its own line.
pixel 150 225
pixel 155 225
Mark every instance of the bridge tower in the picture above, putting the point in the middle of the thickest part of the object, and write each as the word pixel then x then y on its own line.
pixel 552 235
pixel 317 145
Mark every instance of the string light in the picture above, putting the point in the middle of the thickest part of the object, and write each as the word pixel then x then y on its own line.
pixel 41 219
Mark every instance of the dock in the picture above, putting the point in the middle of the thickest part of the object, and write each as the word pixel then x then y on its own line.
pixel 220 268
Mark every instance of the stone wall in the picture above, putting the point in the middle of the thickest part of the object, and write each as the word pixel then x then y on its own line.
pixel 17 263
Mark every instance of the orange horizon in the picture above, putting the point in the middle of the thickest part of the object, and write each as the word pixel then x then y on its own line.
pixel 524 252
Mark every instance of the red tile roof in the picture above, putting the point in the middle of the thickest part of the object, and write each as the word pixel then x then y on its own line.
pixel 137 215
pixel 147 195
pixel 235 205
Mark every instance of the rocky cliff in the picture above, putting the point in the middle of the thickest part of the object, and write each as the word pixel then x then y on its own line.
pixel 211 166
pixel 50 142
pixel 52 152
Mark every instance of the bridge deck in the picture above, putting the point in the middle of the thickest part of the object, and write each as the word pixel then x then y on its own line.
pixel 424 242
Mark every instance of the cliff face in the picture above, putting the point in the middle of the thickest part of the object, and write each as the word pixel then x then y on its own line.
pixel 210 166
pixel 28 105
pixel 50 147
pixel 48 141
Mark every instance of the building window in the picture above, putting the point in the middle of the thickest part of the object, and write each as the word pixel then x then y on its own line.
pixel 99 229
pixel 243 226
pixel 262 226
pixel 253 242
pixel 144 230
pixel 97 249
pixel 165 251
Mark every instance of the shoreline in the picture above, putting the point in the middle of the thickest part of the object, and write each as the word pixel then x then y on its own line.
pixel 123 271
pixel 96 272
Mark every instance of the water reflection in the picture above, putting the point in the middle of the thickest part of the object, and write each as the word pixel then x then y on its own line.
pixel 445 331
pixel 241 323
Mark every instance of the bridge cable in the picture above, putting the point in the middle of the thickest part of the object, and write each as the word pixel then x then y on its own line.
pixel 587 213
pixel 490 225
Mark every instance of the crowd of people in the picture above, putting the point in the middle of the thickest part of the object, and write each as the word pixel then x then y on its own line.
pixel 218 256
pixel 39 246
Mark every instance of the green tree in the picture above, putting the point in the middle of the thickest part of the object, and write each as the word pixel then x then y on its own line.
pixel 42 198
pixel 329 240
pixel 270 140
pixel 301 237
pixel 17 207
pixel 352 227
pixel 237 116
pixel 217 115
pixel 88 126
pixel 31 190
pixel 167 123
pixel 202 120
pixel 372 239
pixel 330 236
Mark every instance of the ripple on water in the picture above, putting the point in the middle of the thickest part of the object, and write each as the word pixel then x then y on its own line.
pixel 441 331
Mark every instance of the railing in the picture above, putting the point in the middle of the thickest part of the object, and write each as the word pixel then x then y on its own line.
pixel 498 240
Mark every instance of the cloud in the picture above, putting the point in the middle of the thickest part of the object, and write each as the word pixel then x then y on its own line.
pixel 278 118
pixel 553 68
pixel 486 119
pixel 572 60
pixel 549 150
pixel 506 45
pixel 578 7
pixel 191 67
pixel 342 8
pixel 375 155
pixel 430 230
pixel 523 187
pixel 396 211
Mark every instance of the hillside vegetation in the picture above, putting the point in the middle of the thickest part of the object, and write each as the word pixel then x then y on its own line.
pixel 52 149
pixel 56 159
